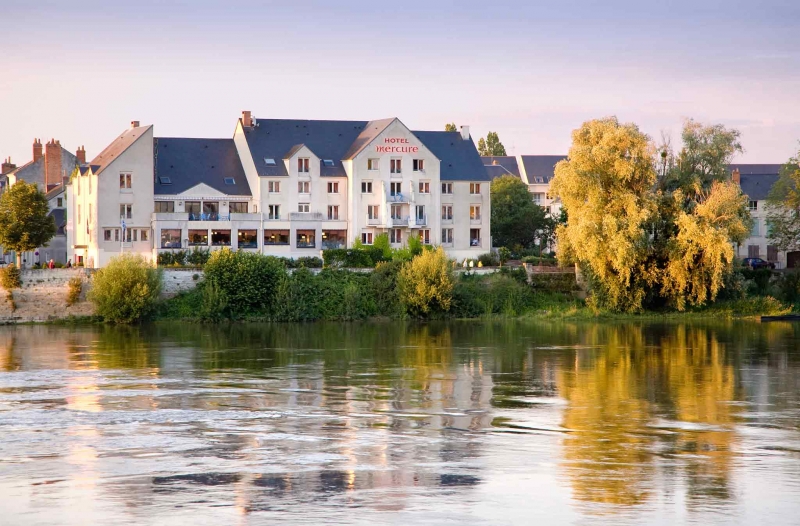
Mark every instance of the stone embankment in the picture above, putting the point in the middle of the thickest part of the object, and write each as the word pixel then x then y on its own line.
pixel 43 296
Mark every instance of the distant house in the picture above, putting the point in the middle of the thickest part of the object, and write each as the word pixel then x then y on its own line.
pixel 536 171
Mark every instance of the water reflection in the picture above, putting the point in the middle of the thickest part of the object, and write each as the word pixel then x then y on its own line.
pixel 305 419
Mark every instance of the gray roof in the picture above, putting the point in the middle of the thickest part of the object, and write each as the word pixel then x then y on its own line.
pixel 189 162
pixel 540 166
pixel 508 162
pixel 756 180
pixel 371 130
pixel 495 171
pixel 33 172
pixel 55 192
pixel 59 216
pixel 117 147
pixel 459 158
pixel 757 169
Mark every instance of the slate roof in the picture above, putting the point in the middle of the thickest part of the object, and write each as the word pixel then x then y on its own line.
pixel 189 162
pixel 117 147
pixel 60 216
pixel 459 158
pixel 540 166
pixel 33 172
pixel 757 179
pixel 508 162
pixel 55 192
pixel 495 171
pixel 274 138
pixel 371 130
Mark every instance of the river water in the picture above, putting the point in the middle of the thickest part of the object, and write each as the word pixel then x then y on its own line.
pixel 391 423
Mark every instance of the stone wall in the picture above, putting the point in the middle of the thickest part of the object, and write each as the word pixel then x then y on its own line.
pixel 175 280
pixel 43 296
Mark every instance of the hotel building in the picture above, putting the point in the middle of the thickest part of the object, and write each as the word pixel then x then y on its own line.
pixel 281 187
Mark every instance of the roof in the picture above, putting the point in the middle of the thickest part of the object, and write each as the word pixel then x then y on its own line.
pixel 371 130
pixel 495 171
pixel 756 180
pixel 540 166
pixel 189 162
pixel 59 216
pixel 55 192
pixel 459 158
pixel 508 162
pixel 117 147
pixel 757 169
pixel 275 138
pixel 34 172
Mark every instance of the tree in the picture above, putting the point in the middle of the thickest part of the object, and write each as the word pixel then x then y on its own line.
pixel 426 283
pixel 783 207
pixel 125 290
pixel 515 217
pixel 491 146
pixel 451 127
pixel 24 220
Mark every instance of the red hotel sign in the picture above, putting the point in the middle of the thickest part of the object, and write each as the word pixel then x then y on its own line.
pixel 396 145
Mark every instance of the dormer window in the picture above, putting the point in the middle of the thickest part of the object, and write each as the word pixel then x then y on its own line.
pixel 230 181
pixel 302 165
pixel 327 162
pixel 538 179
pixel 269 161
pixel 164 180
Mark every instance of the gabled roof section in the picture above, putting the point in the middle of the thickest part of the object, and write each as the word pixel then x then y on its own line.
pixel 294 149
pixel 459 159
pixel 183 163
pixel 495 171
pixel 756 180
pixel 540 166
pixel 272 138
pixel 117 147
pixel 34 172
pixel 371 130
pixel 507 162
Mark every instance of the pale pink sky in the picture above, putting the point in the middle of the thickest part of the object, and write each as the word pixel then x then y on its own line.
pixel 80 71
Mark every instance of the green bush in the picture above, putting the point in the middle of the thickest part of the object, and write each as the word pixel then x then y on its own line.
pixel 426 284
pixel 347 258
pixel 384 288
pixel 331 294
pixel 503 254
pixel 757 282
pixel 545 261
pixel 10 277
pixel 381 242
pixel 489 259
pixel 495 294
pixel 198 256
pixel 126 290
pixel 248 281
pixel 75 287
pixel 214 302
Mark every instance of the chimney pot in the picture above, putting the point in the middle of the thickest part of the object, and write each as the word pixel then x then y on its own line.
pixel 736 176
pixel 134 124
pixel 7 166
pixel 81 155
pixel 247 119
pixel 37 149
pixel 465 133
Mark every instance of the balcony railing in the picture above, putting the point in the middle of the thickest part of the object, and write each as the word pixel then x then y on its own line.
pixel 447 220
pixel 398 197
pixel 329 245
pixel 398 221
pixel 420 221
pixel 211 216
pixel 306 244
pixel 374 221
pixel 306 216
pixel 475 220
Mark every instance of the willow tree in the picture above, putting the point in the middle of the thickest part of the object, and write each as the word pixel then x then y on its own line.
pixel 606 186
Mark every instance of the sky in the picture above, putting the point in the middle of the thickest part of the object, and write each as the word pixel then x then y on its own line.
pixel 80 71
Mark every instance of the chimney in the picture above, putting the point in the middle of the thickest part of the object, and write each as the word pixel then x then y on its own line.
pixel 465 133
pixel 494 161
pixel 736 177
pixel 37 149
pixel 7 166
pixel 81 155
pixel 52 164
pixel 134 124
pixel 247 119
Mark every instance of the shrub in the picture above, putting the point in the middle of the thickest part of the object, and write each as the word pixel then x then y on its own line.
pixel 503 254
pixel 58 265
pixel 540 260
pixel 487 295
pixel 426 284
pixel 381 242
pixel 489 259
pixel 10 277
pixel 74 294
pixel 126 290
pixel 383 281
pixel 347 258
pixel 11 303
pixel 198 256
pixel 249 281
pixel 214 302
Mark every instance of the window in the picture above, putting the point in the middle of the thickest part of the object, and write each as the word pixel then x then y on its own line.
pixel 59 202
pixel 90 213
pixel 474 188
pixel 366 187
pixel 171 238
pixel 306 239
pixel 198 238
pixel 79 214
pixel 396 189
pixel 366 238
pixel 144 235
pixel 396 235
pixel 752 205
pixel 539 180
pixel 424 187
pixel 163 207
pixel 220 238
pixel 396 166
pixel 475 212
pixel 447 236
pixel 447 212
pixel 276 237
pixel 753 251
pixel 327 162
pixel 373 164
pixel 164 180
pixel 333 188
pixel 107 234
pixel 135 233
pixel 211 210
pixel 474 237
pixel 755 232
pixel 303 208
pixel 538 198
pixel 396 212
pixel 274 211
pixel 333 212
pixel 418 165
pixel 334 239
pixel 269 161
pixel 238 208
pixel 447 188
pixel 547 196
pixel 247 239
pixel 193 208
pixel 124 182
pixel 373 212
pixel 126 211
pixel 425 236
pixel 772 253
pixel 274 187
pixel 302 165
pixel 420 213
pixel 303 187
pixel 230 181
pixel 116 234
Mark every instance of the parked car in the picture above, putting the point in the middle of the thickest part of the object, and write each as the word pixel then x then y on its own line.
pixel 757 263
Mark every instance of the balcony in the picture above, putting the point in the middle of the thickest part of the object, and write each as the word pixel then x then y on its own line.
pixel 306 216
pixel 329 245
pixel 447 220
pixel 420 221
pixel 213 216
pixel 399 197
pixel 398 222
pixel 475 220
pixel 374 221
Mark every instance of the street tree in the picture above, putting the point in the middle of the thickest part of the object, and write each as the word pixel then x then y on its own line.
pixel 24 220
pixel 516 219
pixel 783 207
pixel 491 146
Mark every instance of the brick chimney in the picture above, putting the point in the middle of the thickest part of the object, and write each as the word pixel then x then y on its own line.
pixel 134 124
pixel 247 119
pixel 52 164
pixel 736 177
pixel 37 149
pixel 7 166
pixel 81 155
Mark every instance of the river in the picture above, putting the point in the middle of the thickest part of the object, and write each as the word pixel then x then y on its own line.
pixel 400 423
